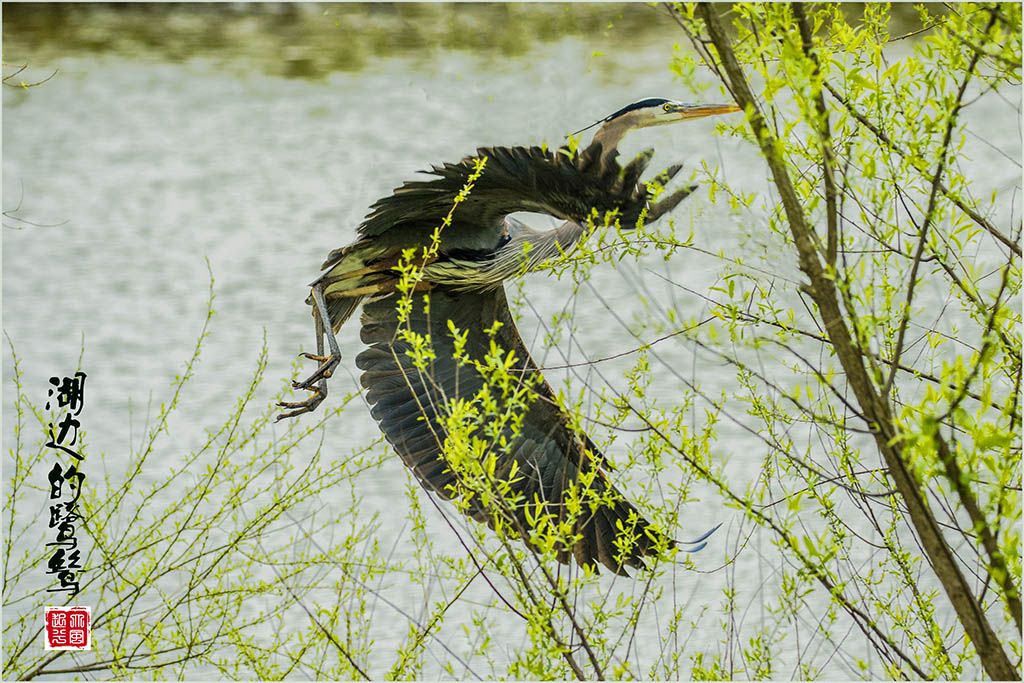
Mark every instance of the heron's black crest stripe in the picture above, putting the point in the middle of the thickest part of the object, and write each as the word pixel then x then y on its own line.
pixel 639 104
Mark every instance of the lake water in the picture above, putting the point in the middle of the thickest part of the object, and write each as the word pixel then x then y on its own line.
pixel 127 174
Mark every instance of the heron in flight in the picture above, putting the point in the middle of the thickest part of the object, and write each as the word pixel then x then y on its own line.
pixel 541 461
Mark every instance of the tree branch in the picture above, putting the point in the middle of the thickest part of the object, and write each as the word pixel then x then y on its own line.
pixel 946 192
pixel 822 291
pixel 824 138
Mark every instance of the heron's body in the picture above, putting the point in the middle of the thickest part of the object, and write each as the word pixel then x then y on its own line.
pixel 538 457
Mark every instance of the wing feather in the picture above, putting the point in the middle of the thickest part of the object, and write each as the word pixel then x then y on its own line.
pixel 514 179
pixel 549 458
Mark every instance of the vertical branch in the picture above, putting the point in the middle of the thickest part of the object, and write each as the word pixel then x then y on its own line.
pixel 822 290
pixel 922 239
pixel 824 137
pixel 999 567
pixel 893 146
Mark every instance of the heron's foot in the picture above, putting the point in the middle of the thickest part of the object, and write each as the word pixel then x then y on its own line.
pixel 326 369
pixel 317 383
pixel 296 408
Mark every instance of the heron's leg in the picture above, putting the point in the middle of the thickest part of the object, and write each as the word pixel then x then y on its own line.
pixel 297 408
pixel 323 327
pixel 327 363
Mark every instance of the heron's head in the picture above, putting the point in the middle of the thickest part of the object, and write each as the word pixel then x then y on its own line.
pixel 658 111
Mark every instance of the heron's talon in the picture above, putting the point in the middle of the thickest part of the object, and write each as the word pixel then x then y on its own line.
pixel 326 369
pixel 297 408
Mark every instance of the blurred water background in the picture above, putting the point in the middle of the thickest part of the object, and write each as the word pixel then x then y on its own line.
pixel 257 136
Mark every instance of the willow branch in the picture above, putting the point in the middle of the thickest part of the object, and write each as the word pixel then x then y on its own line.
pixel 946 192
pixel 821 289
pixel 824 138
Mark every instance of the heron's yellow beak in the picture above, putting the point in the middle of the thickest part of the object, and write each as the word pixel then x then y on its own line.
pixel 685 112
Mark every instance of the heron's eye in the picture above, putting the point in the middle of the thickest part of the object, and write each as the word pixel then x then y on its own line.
pixel 667 106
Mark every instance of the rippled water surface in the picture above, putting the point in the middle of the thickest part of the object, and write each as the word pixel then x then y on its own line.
pixel 123 176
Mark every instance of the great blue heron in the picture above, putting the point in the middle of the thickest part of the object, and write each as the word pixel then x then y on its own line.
pixel 542 459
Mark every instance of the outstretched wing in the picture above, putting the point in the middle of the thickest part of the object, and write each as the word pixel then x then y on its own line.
pixel 558 183
pixel 544 461
pixel 513 179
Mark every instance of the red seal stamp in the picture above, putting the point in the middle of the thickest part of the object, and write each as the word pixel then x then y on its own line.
pixel 68 628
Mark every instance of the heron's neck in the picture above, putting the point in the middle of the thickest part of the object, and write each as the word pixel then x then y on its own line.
pixel 609 136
